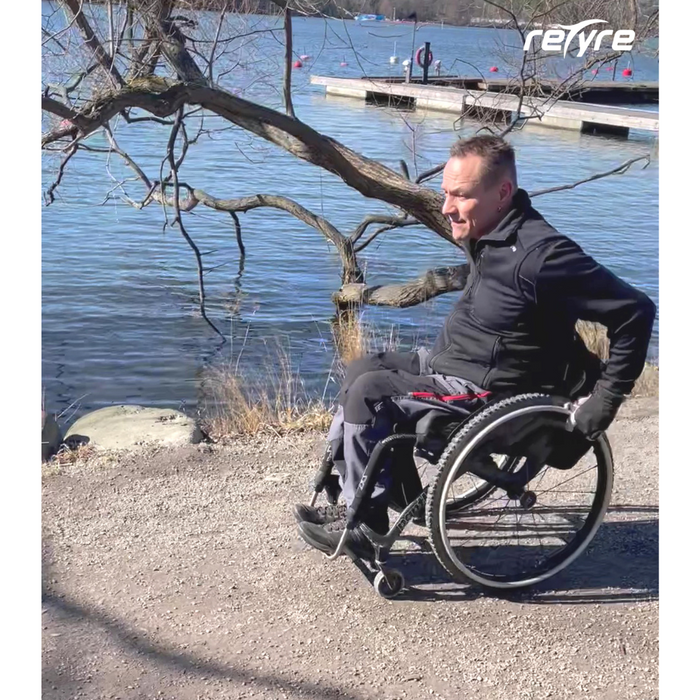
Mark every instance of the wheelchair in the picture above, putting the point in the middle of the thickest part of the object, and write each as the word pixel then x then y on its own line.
pixel 517 492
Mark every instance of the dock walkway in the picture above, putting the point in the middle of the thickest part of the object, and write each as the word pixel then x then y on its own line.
pixel 564 114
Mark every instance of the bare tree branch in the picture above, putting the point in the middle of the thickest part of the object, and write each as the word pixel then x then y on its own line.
pixel 287 89
pixel 619 170
pixel 428 174
pixel 49 196
pixel 224 10
pixel 76 9
pixel 375 219
pixel 239 236
pixel 351 269
pixel 433 283
pixel 369 177
pixel 157 193
pixel 179 222
pixel 383 229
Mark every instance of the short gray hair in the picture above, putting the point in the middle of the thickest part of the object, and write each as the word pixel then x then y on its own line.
pixel 496 153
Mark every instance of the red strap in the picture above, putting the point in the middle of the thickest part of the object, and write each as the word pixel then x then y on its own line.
pixel 456 397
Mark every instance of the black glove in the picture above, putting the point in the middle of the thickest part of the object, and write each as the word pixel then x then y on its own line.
pixel 597 412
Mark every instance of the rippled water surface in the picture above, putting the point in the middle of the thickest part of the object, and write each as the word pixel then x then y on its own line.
pixel 120 320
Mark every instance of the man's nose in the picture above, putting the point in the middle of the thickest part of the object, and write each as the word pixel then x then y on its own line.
pixel 448 206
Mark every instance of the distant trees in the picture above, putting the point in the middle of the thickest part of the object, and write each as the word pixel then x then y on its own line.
pixel 459 12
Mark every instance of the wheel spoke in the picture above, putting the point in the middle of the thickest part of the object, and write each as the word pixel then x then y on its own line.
pixel 539 481
pixel 595 466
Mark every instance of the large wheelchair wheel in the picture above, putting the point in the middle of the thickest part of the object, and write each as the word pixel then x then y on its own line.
pixel 481 534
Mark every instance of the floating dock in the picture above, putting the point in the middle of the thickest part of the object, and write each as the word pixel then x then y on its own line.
pixel 501 103
pixel 598 91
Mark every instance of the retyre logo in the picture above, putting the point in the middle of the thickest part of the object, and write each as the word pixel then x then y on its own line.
pixel 552 39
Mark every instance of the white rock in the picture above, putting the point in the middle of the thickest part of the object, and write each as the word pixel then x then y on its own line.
pixel 122 427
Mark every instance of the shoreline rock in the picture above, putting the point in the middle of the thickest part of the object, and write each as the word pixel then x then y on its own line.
pixel 129 426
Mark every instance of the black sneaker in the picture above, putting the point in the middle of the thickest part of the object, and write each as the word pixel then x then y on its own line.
pixel 320 515
pixel 326 538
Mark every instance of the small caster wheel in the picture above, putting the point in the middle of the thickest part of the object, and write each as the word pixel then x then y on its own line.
pixel 528 500
pixel 388 584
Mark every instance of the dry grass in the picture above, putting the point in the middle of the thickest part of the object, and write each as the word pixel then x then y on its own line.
pixel 355 338
pixel 348 335
pixel 278 403
pixel 67 456
pixel 596 338
pixel 234 403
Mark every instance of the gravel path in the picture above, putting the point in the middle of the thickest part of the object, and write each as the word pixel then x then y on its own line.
pixel 179 574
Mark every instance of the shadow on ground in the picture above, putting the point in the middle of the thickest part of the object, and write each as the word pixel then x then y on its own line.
pixel 620 565
pixel 163 656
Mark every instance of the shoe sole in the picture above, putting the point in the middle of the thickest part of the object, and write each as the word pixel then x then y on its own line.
pixel 298 516
pixel 322 547
pixel 308 538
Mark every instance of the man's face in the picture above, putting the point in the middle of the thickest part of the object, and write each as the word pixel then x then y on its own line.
pixel 472 205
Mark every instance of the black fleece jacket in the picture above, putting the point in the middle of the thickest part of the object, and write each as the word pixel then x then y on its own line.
pixel 513 327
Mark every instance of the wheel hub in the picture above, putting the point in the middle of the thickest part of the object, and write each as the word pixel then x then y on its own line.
pixel 528 500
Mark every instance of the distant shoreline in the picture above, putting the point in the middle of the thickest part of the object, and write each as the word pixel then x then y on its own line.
pixel 215 6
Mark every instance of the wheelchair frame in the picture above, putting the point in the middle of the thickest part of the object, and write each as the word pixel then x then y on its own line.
pixel 388 582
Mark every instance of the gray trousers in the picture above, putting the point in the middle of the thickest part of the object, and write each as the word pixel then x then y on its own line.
pixel 368 411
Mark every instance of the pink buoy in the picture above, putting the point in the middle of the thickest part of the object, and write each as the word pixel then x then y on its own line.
pixel 297 64
pixel 594 71
pixel 627 72
pixel 65 124
pixel 493 69
pixel 609 68
pixel 343 63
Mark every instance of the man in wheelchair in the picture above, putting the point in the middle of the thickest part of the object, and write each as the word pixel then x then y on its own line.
pixel 511 331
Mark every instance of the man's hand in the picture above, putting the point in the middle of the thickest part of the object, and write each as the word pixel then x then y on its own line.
pixel 594 414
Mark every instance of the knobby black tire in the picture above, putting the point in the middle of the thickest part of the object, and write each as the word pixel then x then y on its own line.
pixel 473 428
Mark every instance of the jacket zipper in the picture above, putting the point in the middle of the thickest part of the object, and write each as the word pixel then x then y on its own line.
pixel 494 357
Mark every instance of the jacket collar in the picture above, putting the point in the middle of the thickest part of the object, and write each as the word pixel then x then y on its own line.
pixel 512 221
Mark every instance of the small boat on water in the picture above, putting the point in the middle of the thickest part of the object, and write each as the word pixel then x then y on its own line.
pixel 370 18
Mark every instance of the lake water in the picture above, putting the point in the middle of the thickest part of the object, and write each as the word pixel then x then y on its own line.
pixel 120 321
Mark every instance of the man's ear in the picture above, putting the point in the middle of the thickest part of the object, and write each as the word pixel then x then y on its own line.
pixel 506 191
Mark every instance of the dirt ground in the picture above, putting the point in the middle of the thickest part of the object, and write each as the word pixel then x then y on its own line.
pixel 178 573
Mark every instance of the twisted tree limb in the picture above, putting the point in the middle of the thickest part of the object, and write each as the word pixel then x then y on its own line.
pixel 432 284
pixel 156 192
pixel 50 197
pixel 351 268
pixel 370 178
